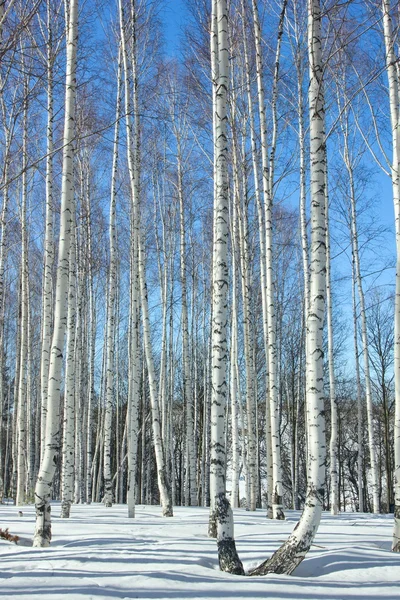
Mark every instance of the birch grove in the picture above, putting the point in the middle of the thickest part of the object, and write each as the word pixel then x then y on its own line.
pixel 197 262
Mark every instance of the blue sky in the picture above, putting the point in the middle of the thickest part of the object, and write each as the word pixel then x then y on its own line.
pixel 173 14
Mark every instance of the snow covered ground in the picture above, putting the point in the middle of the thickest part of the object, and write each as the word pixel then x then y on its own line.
pixel 100 553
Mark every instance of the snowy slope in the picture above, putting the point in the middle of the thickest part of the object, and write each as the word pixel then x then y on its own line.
pixel 100 553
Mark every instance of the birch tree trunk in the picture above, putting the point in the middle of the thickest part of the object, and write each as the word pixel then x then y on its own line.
pixel 228 558
pixel 292 552
pixel 392 72
pixel 134 174
pixel 23 367
pixel 268 168
pixel 234 384
pixel 46 473
pixel 47 299
pixel 332 392
pixel 112 281
pixel 2 310
pixel 191 492
pixel 364 335
pixel 68 450
pixel 360 445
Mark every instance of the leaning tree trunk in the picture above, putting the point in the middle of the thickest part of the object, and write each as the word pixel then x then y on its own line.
pixel 391 67
pixel 222 512
pixel 47 469
pixel 292 552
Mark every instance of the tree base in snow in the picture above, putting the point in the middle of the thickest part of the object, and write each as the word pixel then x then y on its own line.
pixel 283 562
pixel 168 511
pixel 279 515
pixel 228 558
pixel 42 537
pixel 212 525
pixel 65 509
pixel 396 534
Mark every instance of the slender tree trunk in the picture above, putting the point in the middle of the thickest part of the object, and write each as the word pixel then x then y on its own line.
pixel 68 447
pixel 332 392
pixel 45 478
pixel 23 368
pixel 360 445
pixel 234 388
pixel 228 558
pixel 268 168
pixel 112 280
pixel 47 301
pixel 391 64
pixel 364 336
pixel 191 492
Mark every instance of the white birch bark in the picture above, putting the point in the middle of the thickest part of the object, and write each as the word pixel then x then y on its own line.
pixel 241 219
pixel 332 390
pixel 221 510
pixel 191 491
pixel 47 298
pixel 68 446
pixel 2 307
pixel 268 169
pixel 393 80
pixel 132 137
pixel 234 386
pixel 112 276
pixel 292 552
pixel 163 483
pixel 90 390
pixel 3 252
pixel 23 374
pixel 364 335
pixel 43 486
pixel 134 173
pixel 360 445
pixel 245 260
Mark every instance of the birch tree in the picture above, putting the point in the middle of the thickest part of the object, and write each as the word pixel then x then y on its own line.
pixel 393 81
pixel 23 367
pixel 221 510
pixel 47 296
pixel 68 450
pixel 45 478
pixel 293 551
pixel 268 169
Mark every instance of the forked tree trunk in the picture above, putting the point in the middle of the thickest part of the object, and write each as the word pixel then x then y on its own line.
pixel 47 469
pixel 292 552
